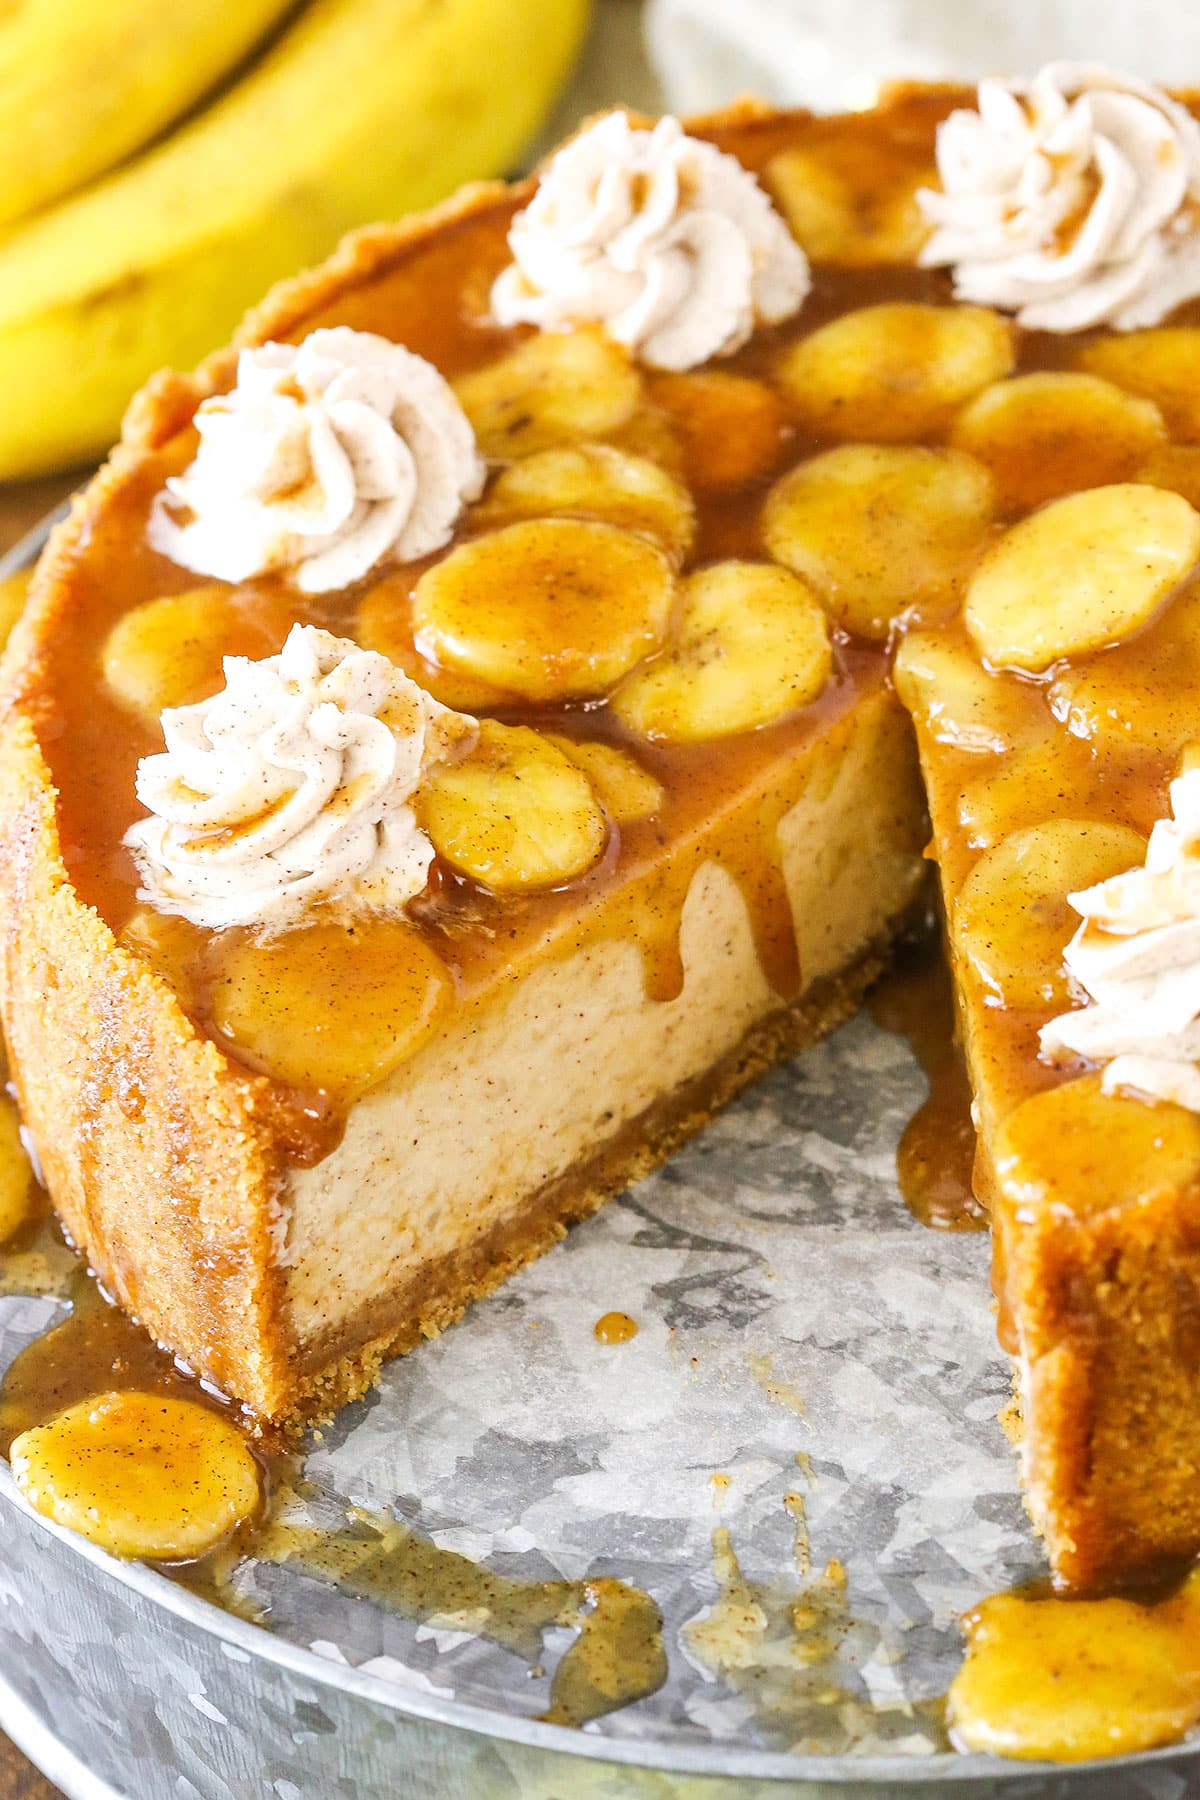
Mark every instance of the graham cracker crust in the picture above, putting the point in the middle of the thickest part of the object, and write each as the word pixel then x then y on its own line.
pixel 346 1364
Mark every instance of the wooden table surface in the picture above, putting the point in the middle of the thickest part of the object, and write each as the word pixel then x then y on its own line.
pixel 20 507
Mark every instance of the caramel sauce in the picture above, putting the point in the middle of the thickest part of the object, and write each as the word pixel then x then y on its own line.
pixel 614 1328
pixel 616 1659
pixel 1071 1679
pixel 935 1159
pixel 617 1656
pixel 791 1649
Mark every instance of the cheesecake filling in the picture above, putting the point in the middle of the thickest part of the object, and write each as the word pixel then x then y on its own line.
pixel 326 457
pixel 663 240
pixel 1072 200
pixel 1137 958
pixel 292 788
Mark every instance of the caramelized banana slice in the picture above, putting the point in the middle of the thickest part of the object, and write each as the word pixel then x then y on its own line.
pixel 957 701
pixel 169 652
pixel 1012 920
pixel 1162 365
pixel 894 372
pixel 385 623
pixel 555 388
pixel 1084 572
pixel 332 1007
pixel 752 646
pixel 552 609
pixel 1049 434
pixel 840 212
pixel 1077 1147
pixel 17 1188
pixel 140 1474
pixel 1141 695
pixel 516 814
pixel 625 790
pixel 875 528
pixel 1048 779
pixel 597 482
pixel 732 429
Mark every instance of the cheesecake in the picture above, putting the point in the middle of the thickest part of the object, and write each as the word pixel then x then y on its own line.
pixel 671 814
pixel 466 732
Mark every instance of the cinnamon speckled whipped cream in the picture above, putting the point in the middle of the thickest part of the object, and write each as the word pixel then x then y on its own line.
pixel 664 240
pixel 1072 200
pixel 1137 956
pixel 325 457
pixel 292 788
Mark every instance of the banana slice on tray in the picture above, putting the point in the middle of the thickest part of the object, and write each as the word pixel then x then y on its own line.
pixel 551 609
pixel 731 429
pixel 752 645
pixel 141 1474
pixel 516 814
pixel 330 1007
pixel 594 481
pixel 556 388
pixel 892 372
pixel 1108 557
pixel 1012 919
pixel 169 652
pixel 1054 433
pixel 876 527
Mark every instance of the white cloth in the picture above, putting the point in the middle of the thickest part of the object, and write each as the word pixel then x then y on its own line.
pixel 833 54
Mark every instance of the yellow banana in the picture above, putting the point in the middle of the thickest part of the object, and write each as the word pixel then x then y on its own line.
pixel 362 108
pixel 83 85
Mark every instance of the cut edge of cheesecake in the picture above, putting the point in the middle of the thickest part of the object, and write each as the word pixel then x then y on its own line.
pixel 157 1150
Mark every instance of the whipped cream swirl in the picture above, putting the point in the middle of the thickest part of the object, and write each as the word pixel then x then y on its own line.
pixel 291 787
pixel 325 457
pixel 1137 956
pixel 664 240
pixel 1072 201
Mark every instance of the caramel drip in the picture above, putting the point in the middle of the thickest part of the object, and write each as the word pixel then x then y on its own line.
pixel 617 1656
pixel 935 1160
pixel 791 1651
pixel 97 1349
pixel 614 1328
pixel 1072 1679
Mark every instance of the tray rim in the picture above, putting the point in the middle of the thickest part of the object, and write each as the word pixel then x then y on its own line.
pixel 651 1754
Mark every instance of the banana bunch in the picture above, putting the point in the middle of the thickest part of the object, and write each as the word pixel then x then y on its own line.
pixel 353 110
